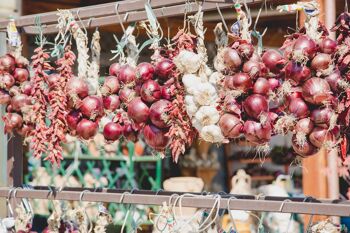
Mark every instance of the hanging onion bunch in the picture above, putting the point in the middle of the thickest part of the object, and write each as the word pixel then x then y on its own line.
pixel 306 95
pixel 15 89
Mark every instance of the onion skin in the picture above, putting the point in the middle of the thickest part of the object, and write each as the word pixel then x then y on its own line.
pixel 114 69
pixel 322 117
pixel 328 45
pixel 232 59
pixel 306 150
pixel 257 133
pixel 316 91
pixel 138 110
pixel 164 68
pixel 126 95
pixel 158 113
pixel 129 133
pixel 261 86
pixel 297 73
pixel 274 83
pixel 319 136
pixel 304 125
pixel 12 121
pixel 112 131
pixel 145 71
pixel 92 107
pixel 333 81
pixel 7 63
pixel 252 68
pixel 5 97
pixel 111 102
pixel 86 129
pixel 110 86
pixel 273 61
pixel 306 46
pixel 21 75
pixel 231 105
pixel 6 81
pixel 155 137
pixel 298 108
pixel 246 50
pixel 239 81
pixel 126 74
pixel 19 101
pixel 150 91
pixel 255 105
pixel 77 86
pixel 73 119
pixel 230 125
pixel 166 92
pixel 321 61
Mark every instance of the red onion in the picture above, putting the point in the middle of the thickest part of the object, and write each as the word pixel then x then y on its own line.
pixel 77 86
pixel 255 105
pixel 232 59
pixel 5 97
pixel 92 107
pixel 150 91
pixel 246 50
pixel 305 46
pixel 126 95
pixel 138 110
pixel 322 117
pixel 321 61
pixel 304 125
pixel 272 117
pixel 231 105
pixel 19 101
pixel 296 93
pixel 273 61
pixel 129 133
pixel 158 113
pixel 73 119
pixel 111 102
pixel 110 86
pixel 164 68
pixel 155 137
pixel 166 92
pixel 145 71
pixel 240 81
pixel 297 73
pixel 230 125
pixel 25 130
pixel 9 108
pixel 86 129
pixel 114 69
pixel 319 136
pixel 298 108
pixel 261 86
pixel 257 133
pixel 274 83
pixel 252 68
pixel 112 131
pixel 328 45
pixel 333 80
pixel 21 62
pixel 21 75
pixel 255 57
pixel 316 91
pixel 12 121
pixel 306 149
pixel 127 74
pixel 6 81
pixel 27 88
pixel 7 63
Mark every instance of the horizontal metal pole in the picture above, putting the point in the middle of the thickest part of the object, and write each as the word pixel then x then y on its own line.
pixel 237 202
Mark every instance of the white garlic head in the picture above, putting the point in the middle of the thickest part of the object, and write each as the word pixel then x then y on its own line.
pixel 190 82
pixel 188 62
pixel 191 106
pixel 211 133
pixel 206 115
pixel 205 94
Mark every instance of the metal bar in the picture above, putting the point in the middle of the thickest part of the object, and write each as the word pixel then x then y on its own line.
pixel 200 201
pixel 132 16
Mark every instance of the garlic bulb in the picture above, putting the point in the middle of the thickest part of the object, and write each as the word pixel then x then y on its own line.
pixel 215 78
pixel 190 82
pixel 188 62
pixel 211 133
pixel 205 94
pixel 206 115
pixel 191 106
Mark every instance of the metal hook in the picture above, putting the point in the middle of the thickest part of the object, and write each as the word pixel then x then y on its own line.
pixel 159 190
pixel 230 214
pixel 82 195
pixel 222 17
pixel 283 203
pixel 119 18
pixel 8 199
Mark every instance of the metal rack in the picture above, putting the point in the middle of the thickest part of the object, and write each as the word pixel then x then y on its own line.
pixel 228 201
